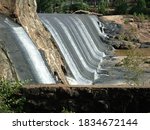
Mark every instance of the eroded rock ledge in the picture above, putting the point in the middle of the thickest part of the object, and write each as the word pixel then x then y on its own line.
pixel 24 13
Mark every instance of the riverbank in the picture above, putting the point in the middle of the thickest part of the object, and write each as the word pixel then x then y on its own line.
pixel 133 24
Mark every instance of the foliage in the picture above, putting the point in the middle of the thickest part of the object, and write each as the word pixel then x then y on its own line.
pixel 49 6
pixel 140 17
pixel 103 4
pixel 121 6
pixel 133 65
pixel 10 100
pixel 43 6
pixel 125 36
pixel 141 4
pixel 74 7
pixel 139 7
pixel 126 21
pixel 147 3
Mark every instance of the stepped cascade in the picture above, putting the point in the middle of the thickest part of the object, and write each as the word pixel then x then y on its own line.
pixel 70 49
pixel 79 39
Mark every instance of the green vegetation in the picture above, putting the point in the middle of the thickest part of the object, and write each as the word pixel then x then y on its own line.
pixel 133 65
pixel 66 8
pixel 60 6
pixel 121 6
pixel 10 98
pixel 101 6
pixel 139 7
pixel 140 17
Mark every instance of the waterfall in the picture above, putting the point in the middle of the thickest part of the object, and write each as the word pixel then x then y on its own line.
pixel 78 37
pixel 40 72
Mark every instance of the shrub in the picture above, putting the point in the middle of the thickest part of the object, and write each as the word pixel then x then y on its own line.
pixel 10 100
pixel 74 7
pixel 141 17
pixel 126 21
pixel 121 6
pixel 133 65
pixel 102 6
pixel 147 3
pixel 139 7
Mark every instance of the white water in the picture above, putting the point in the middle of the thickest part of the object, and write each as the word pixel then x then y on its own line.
pixel 79 39
pixel 82 52
pixel 88 39
pixel 34 58
pixel 98 25
pixel 79 79
pixel 75 46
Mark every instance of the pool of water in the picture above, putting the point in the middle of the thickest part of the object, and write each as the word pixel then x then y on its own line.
pixel 143 51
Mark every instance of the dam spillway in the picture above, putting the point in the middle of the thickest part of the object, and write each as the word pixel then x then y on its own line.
pixel 79 39
pixel 26 58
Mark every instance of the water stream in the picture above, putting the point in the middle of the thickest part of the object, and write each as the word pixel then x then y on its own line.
pixel 78 37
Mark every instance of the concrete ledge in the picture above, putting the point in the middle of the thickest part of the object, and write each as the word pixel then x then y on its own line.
pixel 52 98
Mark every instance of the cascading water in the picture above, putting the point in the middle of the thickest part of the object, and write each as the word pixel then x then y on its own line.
pixel 36 64
pixel 79 39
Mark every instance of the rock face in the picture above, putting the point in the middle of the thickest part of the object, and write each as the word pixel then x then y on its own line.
pixel 24 13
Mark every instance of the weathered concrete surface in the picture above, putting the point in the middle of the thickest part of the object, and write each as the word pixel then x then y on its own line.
pixel 15 56
pixel 60 98
pixel 6 68
pixel 24 13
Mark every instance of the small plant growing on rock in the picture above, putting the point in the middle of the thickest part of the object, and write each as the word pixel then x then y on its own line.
pixel 126 21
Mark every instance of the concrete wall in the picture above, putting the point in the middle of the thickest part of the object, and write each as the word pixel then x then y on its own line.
pixel 86 99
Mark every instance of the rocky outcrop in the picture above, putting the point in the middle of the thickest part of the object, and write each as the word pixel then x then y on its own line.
pixel 87 12
pixel 127 30
pixel 24 13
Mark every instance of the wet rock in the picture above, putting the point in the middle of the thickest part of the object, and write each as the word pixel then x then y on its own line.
pixel 112 29
pixel 120 38
pixel 145 45
pixel 122 44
